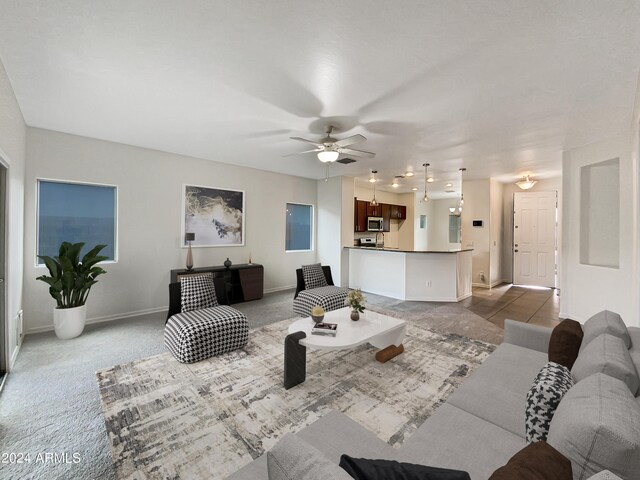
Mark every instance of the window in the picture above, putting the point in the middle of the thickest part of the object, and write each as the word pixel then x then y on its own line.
pixel 299 227
pixel 454 229
pixel 76 212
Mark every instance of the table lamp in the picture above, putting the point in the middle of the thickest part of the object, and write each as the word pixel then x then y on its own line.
pixel 189 237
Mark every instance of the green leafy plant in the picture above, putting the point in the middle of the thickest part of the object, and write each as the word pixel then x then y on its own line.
pixel 70 277
pixel 355 300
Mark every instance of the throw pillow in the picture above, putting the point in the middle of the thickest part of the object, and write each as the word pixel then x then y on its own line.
pixel 293 458
pixel 605 322
pixel 364 469
pixel 197 292
pixel 536 461
pixel 597 427
pixel 548 388
pixel 565 342
pixel 313 276
pixel 609 355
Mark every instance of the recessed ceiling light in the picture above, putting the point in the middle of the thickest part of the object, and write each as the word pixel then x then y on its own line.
pixel 408 174
pixel 394 184
pixel 430 180
pixel 415 189
pixel 449 185
pixel 372 180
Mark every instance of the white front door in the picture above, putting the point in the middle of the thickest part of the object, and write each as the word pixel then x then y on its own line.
pixel 534 238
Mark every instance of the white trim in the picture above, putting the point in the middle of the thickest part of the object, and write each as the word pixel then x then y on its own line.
pixel 489 285
pixel 14 357
pixel 74 182
pixel 9 358
pixel 104 319
pixel 313 227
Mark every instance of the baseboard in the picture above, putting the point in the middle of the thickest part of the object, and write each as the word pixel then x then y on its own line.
pixel 279 289
pixel 488 285
pixel 14 357
pixel 104 319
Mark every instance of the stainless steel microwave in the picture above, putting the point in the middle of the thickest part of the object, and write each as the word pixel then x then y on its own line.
pixel 374 224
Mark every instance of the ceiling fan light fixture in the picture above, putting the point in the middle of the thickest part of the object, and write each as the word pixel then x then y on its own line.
pixel 327 156
pixel 527 183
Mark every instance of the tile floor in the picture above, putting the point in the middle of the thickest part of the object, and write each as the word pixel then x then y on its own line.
pixel 539 306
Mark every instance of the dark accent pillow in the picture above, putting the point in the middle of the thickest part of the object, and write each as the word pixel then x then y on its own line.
pixel 197 292
pixel 548 388
pixel 565 342
pixel 313 276
pixel 536 461
pixel 364 469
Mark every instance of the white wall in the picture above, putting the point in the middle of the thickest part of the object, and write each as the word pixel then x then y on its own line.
pixel 150 189
pixel 587 289
pixel 421 235
pixel 12 154
pixel 477 206
pixel 496 226
pixel 335 225
pixel 546 185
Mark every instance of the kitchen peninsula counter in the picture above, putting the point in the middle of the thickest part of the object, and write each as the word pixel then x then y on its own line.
pixel 415 275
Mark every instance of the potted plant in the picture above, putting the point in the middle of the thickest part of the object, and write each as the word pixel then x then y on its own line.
pixel 69 283
pixel 355 301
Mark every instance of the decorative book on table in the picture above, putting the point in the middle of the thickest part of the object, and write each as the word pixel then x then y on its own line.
pixel 323 328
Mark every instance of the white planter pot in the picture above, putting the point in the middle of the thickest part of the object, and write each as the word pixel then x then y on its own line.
pixel 69 322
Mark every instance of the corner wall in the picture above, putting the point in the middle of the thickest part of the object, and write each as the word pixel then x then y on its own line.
pixel 12 154
pixel 477 206
pixel 149 215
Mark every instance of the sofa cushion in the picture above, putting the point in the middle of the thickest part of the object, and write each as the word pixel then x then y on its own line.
pixel 197 292
pixel 597 427
pixel 453 438
pixel 497 390
pixel 549 386
pixel 634 351
pixel 536 461
pixel 565 342
pixel 609 355
pixel 605 322
pixel 313 276
pixel 293 458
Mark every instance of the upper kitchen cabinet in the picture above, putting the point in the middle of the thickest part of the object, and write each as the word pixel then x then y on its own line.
pixel 360 215
pixel 398 212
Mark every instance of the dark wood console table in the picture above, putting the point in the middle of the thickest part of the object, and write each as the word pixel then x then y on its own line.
pixel 244 282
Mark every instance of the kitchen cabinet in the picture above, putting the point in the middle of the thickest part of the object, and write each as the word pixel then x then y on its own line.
pixel 385 210
pixel 399 212
pixel 373 210
pixel 360 215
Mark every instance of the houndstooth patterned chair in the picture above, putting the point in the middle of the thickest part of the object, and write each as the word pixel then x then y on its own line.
pixel 198 334
pixel 328 297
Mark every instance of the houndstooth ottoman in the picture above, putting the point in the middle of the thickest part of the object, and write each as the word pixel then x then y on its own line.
pixel 329 298
pixel 199 334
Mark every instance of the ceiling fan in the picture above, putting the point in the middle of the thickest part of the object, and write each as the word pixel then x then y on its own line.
pixel 329 148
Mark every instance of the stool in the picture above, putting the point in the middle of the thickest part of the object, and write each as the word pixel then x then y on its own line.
pixel 200 334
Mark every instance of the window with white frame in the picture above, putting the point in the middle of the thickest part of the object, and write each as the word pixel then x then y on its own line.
pixel 76 212
pixel 299 223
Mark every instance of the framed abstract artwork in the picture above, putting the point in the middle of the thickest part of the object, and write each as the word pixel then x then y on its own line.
pixel 214 215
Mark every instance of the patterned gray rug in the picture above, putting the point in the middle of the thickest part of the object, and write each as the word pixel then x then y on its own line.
pixel 206 420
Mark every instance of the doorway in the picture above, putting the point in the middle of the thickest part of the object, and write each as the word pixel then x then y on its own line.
pixel 3 245
pixel 534 238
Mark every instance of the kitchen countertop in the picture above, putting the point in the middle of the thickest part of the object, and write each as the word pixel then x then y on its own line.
pixel 386 249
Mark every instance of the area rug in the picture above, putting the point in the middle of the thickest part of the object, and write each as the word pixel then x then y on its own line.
pixel 167 420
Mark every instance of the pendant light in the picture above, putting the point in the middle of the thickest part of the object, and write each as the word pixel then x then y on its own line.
pixel 457 210
pixel 373 202
pixel 425 199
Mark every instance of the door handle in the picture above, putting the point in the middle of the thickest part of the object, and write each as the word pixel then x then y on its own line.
pixel 516 251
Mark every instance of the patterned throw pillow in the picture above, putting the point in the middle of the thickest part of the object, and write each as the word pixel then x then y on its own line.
pixel 549 386
pixel 197 291
pixel 313 276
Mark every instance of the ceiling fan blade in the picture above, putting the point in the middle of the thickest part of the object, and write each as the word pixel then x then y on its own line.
pixel 300 139
pixel 300 153
pixel 350 140
pixel 356 153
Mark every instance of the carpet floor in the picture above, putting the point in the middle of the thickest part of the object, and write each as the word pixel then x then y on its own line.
pixel 50 402
pixel 167 420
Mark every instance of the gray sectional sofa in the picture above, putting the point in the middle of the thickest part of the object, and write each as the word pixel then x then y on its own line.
pixel 477 430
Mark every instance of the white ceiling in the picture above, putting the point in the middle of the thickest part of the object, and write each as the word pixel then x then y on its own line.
pixel 499 87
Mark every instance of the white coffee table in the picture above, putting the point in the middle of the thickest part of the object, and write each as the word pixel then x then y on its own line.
pixel 379 330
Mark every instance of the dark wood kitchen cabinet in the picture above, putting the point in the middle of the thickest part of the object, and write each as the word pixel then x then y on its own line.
pixel 360 215
pixel 373 210
pixel 399 212
pixel 385 209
